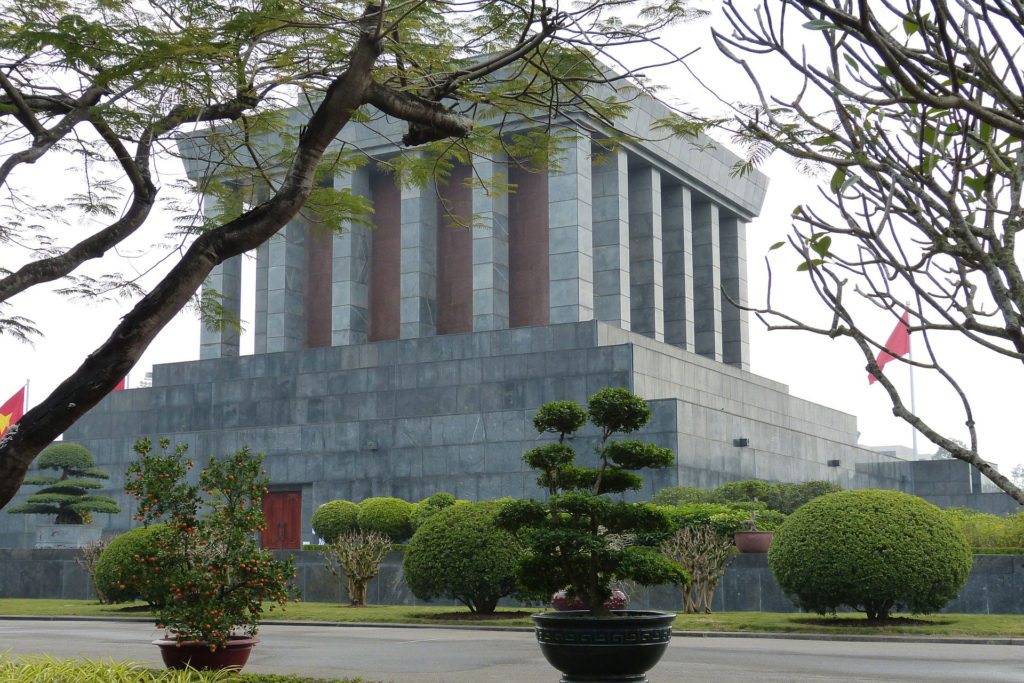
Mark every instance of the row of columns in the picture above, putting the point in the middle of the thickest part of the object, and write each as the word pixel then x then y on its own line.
pixel 624 242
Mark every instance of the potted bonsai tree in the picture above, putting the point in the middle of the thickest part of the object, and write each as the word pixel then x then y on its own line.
pixel 574 540
pixel 66 496
pixel 208 576
pixel 751 539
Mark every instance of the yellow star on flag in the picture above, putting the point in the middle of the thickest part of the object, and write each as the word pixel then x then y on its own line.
pixel 5 422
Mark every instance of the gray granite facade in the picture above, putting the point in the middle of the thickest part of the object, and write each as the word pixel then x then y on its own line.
pixel 412 417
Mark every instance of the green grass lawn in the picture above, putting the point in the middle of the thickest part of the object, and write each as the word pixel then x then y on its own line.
pixel 970 625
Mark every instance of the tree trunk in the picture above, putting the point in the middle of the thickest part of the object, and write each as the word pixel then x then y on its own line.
pixel 357 592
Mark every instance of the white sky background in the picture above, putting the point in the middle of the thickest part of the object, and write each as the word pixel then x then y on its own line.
pixel 817 369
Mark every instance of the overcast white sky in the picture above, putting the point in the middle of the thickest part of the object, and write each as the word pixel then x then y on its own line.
pixel 827 372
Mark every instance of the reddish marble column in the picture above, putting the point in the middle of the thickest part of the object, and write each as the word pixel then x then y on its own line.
pixel 385 258
pixel 528 286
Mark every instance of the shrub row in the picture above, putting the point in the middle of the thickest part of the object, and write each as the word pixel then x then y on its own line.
pixel 780 497
pixel 392 517
pixel 989 533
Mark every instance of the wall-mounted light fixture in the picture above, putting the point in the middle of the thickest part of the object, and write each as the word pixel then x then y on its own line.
pixel 741 443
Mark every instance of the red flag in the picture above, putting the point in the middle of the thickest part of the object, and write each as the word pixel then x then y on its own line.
pixel 12 410
pixel 121 385
pixel 897 345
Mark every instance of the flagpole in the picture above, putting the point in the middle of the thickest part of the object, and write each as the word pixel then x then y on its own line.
pixel 24 404
pixel 913 405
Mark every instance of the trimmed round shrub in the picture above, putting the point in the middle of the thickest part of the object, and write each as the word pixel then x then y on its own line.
pixel 334 519
pixel 874 551
pixel 387 516
pixel 428 507
pixel 115 567
pixel 460 554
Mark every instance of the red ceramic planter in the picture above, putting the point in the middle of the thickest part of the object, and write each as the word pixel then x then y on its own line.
pixel 753 541
pixel 233 655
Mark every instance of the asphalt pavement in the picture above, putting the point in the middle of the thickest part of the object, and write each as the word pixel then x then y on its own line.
pixel 469 655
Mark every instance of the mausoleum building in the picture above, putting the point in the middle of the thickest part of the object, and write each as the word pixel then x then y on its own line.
pixel 407 356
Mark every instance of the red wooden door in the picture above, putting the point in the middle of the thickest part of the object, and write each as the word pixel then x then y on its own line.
pixel 283 512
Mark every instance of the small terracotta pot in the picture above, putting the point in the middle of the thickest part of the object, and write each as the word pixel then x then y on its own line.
pixel 197 654
pixel 753 541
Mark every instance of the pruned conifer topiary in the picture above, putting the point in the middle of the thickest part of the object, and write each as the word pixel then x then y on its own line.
pixel 66 494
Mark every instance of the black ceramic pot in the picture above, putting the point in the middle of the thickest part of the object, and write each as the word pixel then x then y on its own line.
pixel 619 648
pixel 197 654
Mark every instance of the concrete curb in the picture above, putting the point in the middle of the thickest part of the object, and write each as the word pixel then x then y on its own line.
pixel 959 640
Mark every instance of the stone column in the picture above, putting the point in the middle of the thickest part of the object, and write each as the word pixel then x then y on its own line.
pixel 570 250
pixel 707 300
pixel 677 247
pixel 226 281
pixel 647 301
pixel 418 262
pixel 351 269
pixel 611 238
pixel 490 247
pixel 285 259
pixel 735 322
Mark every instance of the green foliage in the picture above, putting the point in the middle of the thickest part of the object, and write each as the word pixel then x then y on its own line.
pixel 769 520
pixel 47 669
pixel 388 516
pixel 724 520
pixel 787 497
pixel 66 496
pixel 116 568
pixel 746 490
pixel 209 573
pixel 872 550
pixel 428 507
pixel 989 533
pixel 559 417
pixel 680 495
pixel 580 540
pixel 782 497
pixel 460 554
pixel 69 458
pixel 334 518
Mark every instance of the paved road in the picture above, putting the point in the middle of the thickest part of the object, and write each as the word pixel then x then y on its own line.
pixel 435 655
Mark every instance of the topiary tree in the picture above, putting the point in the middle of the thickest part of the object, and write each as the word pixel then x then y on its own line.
pixel 574 540
pixel 66 496
pixel 459 553
pixel 354 557
pixel 116 574
pixel 705 554
pixel 334 519
pixel 387 516
pixel 871 550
